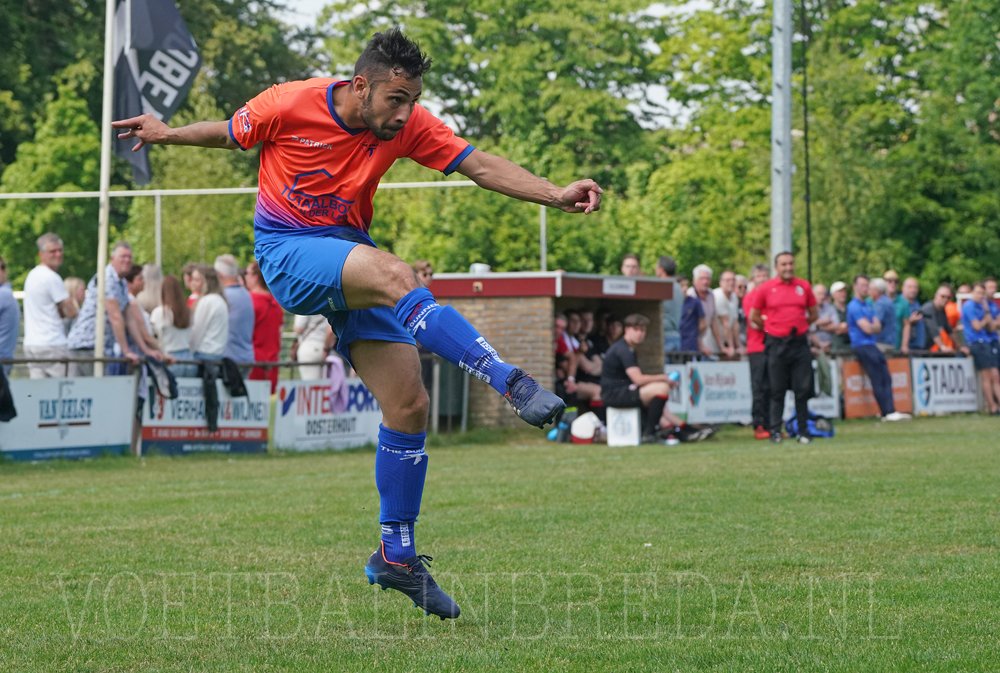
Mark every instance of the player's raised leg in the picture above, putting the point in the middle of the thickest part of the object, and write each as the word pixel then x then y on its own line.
pixel 392 372
pixel 372 277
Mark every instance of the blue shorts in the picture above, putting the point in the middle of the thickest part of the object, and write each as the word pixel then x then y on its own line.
pixel 303 268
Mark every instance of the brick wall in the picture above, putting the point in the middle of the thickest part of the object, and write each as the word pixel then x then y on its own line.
pixel 520 328
pixel 521 331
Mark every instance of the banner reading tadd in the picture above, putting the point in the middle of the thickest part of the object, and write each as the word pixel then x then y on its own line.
pixel 310 415
pixel 178 426
pixel 69 418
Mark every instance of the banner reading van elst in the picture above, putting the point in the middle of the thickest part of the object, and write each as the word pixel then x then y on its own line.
pixel 69 418
pixel 311 416
pixel 178 426
pixel 944 385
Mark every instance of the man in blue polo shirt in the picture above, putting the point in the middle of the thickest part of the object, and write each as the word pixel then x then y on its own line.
pixel 980 329
pixel 862 327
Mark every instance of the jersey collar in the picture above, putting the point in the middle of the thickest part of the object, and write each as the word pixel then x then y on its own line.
pixel 333 111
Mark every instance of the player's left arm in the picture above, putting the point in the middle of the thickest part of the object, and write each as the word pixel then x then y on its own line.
pixel 501 175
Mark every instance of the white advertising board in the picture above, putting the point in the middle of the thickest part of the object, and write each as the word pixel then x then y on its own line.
pixel 825 403
pixel 69 418
pixel 310 416
pixel 944 385
pixel 677 403
pixel 718 392
pixel 178 426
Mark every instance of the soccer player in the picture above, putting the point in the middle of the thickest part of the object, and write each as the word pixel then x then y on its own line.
pixel 326 145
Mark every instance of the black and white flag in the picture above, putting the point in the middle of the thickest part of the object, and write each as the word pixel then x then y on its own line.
pixel 156 61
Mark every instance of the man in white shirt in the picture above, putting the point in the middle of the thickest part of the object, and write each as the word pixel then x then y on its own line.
pixel 46 304
pixel 712 341
pixel 727 310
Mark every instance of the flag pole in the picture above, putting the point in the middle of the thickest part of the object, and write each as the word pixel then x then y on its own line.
pixel 104 212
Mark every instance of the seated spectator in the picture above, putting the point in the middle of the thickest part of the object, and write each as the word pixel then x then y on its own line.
pixel 863 326
pixel 171 322
pixel 624 385
pixel 980 328
pixel 583 370
pixel 210 324
pixel 10 317
pixel 46 304
pixel 313 342
pixel 268 319
pixel 910 319
pixel 885 311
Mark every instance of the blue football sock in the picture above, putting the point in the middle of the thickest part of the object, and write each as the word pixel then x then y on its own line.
pixel 400 470
pixel 443 330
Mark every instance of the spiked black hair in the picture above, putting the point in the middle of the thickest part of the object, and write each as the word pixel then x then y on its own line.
pixel 392 52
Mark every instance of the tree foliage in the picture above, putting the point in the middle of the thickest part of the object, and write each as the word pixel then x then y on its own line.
pixel 666 104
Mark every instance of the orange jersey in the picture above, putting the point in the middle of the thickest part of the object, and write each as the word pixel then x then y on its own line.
pixel 315 171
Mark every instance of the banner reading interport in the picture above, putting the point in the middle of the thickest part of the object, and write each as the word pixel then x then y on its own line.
pixel 69 418
pixel 944 385
pixel 311 415
pixel 179 426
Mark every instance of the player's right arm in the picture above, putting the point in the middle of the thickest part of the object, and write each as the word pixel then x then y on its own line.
pixel 149 130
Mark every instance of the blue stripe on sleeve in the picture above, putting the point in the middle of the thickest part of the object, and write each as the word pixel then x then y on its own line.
pixel 450 168
pixel 234 137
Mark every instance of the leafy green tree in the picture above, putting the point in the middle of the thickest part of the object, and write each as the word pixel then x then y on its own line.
pixel 554 85
pixel 63 156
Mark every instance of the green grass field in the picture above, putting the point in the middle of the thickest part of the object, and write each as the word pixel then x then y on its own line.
pixel 875 551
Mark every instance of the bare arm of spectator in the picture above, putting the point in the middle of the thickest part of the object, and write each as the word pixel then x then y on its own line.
pixel 114 314
pixel 718 331
pixel 590 364
pixel 904 342
pixel 982 324
pixel 137 328
pixel 636 376
pixel 872 326
pixel 67 308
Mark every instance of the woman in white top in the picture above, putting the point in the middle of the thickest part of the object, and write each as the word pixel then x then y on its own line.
pixel 210 327
pixel 313 341
pixel 172 326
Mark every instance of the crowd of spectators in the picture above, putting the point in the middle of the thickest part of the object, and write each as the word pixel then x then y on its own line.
pixel 209 313
pixel 705 320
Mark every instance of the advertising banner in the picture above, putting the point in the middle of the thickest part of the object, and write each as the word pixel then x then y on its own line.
pixel 719 392
pixel 178 426
pixel 311 416
pixel 859 402
pixel 677 404
pixel 825 401
pixel 69 418
pixel 944 385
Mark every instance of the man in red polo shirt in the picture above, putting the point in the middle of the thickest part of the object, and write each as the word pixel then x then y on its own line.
pixel 784 307
pixel 758 360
